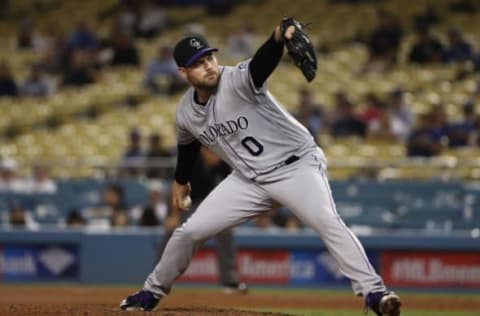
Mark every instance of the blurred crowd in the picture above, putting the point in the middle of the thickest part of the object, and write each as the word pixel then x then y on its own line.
pixel 38 183
pixel 22 203
pixel 80 56
pixel 77 58
pixel 151 162
pixel 385 40
pixel 391 120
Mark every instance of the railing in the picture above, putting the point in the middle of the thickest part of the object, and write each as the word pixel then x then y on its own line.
pixel 445 167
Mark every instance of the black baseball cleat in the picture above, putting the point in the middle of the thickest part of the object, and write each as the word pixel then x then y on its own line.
pixel 383 303
pixel 236 288
pixel 140 301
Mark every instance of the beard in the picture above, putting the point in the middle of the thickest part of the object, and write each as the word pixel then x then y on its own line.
pixel 208 83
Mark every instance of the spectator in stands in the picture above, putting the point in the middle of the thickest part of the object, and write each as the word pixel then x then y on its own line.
pixel 380 129
pixel 154 212
pixel 112 212
pixel 426 49
pixel 458 48
pixel 373 108
pixel 28 38
pixel 309 113
pixel 425 140
pixel 401 115
pixel 383 42
pixel 41 181
pixel 8 87
pixel 240 42
pixel 9 181
pixel 19 217
pixel 133 157
pixel 124 51
pixel 75 219
pixel 156 150
pixel 120 219
pixel 161 74
pixel 377 119
pixel 152 20
pixel 82 37
pixel 345 122
pixel 114 199
pixel 462 133
pixel 80 71
pixel 36 84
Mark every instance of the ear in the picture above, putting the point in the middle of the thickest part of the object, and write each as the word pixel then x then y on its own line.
pixel 182 72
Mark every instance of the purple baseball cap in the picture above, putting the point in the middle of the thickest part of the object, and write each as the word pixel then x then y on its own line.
pixel 189 49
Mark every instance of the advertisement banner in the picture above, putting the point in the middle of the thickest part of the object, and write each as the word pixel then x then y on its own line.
pixel 203 268
pixel 271 267
pixel 38 262
pixel 439 269
pixel 264 266
pixel 314 267
pixel 253 266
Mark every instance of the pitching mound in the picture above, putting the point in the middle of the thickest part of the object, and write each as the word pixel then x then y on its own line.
pixel 103 301
pixel 107 310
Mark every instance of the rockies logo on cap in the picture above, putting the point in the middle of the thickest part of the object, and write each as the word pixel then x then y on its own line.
pixel 195 43
pixel 190 49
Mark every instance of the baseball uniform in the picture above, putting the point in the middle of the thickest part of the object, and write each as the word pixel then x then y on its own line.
pixel 274 158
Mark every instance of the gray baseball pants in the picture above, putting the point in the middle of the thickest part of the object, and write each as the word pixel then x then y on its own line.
pixel 303 188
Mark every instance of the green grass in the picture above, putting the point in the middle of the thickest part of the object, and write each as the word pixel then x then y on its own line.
pixel 348 292
pixel 349 312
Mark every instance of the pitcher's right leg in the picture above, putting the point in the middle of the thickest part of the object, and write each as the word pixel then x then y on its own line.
pixel 231 203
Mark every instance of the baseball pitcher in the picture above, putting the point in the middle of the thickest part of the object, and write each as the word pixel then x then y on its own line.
pixel 273 157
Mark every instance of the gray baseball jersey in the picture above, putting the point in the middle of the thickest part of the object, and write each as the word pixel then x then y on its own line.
pixel 243 124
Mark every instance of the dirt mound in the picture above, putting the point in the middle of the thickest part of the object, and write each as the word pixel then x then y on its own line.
pixel 72 300
pixel 107 310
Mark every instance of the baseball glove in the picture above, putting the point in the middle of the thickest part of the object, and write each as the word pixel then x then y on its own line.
pixel 300 48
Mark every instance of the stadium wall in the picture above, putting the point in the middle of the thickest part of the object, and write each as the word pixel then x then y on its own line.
pixel 127 256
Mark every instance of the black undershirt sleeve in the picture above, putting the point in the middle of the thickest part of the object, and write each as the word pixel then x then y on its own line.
pixel 186 156
pixel 265 60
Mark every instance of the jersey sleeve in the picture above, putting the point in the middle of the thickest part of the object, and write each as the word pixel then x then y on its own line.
pixel 243 84
pixel 183 134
